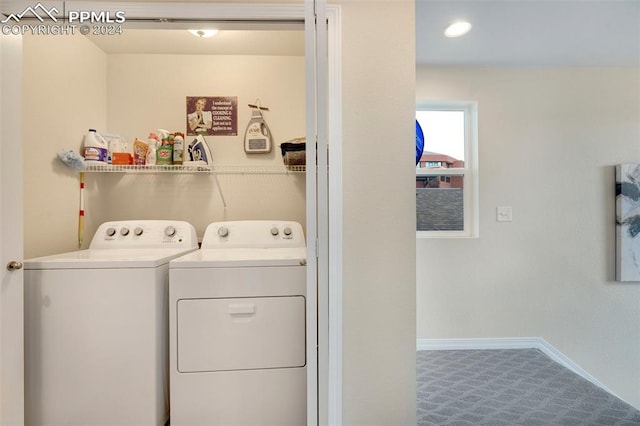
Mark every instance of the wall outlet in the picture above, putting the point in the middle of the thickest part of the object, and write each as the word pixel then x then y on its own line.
pixel 504 214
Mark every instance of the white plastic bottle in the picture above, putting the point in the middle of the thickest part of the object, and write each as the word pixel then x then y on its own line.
pixel 151 152
pixel 95 147
pixel 178 148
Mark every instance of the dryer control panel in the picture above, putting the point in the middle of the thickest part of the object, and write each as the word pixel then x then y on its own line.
pixel 253 234
pixel 145 234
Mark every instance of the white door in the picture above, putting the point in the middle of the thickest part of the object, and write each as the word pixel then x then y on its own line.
pixel 324 225
pixel 11 290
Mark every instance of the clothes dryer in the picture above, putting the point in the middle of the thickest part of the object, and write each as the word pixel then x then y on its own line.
pixel 237 327
pixel 96 327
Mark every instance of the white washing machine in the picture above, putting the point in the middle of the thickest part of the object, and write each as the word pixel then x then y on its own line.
pixel 237 327
pixel 96 327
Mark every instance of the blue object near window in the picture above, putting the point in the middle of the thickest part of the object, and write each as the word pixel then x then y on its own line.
pixel 419 142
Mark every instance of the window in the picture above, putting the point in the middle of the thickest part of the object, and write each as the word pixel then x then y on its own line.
pixel 447 172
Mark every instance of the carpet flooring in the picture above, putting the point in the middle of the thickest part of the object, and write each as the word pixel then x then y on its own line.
pixel 510 387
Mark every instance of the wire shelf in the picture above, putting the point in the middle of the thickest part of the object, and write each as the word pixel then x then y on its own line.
pixel 191 169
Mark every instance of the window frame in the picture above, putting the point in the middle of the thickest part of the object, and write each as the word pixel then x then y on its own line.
pixel 469 172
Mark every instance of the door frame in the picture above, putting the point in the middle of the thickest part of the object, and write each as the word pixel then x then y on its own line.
pixel 11 234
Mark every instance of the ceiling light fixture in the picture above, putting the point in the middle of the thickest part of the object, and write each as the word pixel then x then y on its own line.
pixel 203 33
pixel 457 29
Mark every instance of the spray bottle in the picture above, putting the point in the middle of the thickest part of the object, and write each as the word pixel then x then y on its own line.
pixel 165 150
pixel 151 152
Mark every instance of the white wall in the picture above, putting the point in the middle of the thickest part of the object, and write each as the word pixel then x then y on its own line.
pixel 70 86
pixel 548 143
pixel 378 68
pixel 64 93
pixel 147 92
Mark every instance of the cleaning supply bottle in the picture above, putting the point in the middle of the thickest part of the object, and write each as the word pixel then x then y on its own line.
pixel 257 136
pixel 140 150
pixel 95 147
pixel 165 151
pixel 178 148
pixel 151 152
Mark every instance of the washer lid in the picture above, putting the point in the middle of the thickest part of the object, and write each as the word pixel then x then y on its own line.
pixel 241 257
pixel 106 259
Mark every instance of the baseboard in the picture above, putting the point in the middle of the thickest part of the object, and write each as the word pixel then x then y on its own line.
pixel 511 343
pixel 461 344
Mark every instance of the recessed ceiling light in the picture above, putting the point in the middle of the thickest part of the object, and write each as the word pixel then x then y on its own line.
pixel 203 33
pixel 457 29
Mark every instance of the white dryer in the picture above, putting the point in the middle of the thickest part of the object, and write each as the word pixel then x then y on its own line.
pixel 96 327
pixel 237 327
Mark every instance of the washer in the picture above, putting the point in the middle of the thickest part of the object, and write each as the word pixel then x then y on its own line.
pixel 237 327
pixel 96 327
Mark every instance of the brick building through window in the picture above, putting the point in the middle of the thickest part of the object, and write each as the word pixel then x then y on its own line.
pixel 434 161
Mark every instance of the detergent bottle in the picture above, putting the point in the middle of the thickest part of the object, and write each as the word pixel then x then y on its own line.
pixel 257 136
pixel 95 147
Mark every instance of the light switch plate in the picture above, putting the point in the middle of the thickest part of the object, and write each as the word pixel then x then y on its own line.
pixel 504 214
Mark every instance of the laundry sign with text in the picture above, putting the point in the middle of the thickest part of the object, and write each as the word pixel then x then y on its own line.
pixel 212 115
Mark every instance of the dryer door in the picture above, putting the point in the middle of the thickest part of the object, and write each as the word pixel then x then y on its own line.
pixel 241 333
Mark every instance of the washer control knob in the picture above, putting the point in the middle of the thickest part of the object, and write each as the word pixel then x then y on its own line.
pixel 170 231
pixel 111 232
pixel 287 231
pixel 138 231
pixel 274 231
pixel 223 231
pixel 124 232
